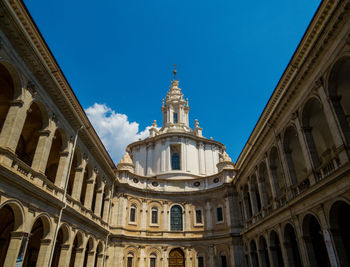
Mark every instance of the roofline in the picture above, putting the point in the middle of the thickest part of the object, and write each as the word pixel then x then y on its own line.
pixel 23 17
pixel 302 51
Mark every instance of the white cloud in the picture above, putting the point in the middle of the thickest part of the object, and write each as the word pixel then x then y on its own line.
pixel 114 129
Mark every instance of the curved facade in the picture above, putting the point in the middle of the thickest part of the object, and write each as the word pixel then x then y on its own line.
pixel 176 198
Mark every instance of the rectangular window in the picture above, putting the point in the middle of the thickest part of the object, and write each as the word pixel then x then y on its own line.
pixel 199 216
pixel 152 262
pixel 219 215
pixel 132 215
pixel 200 261
pixel 154 216
pixel 175 117
pixel 175 151
pixel 129 262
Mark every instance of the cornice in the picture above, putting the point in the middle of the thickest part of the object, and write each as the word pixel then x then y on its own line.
pixel 24 35
pixel 294 68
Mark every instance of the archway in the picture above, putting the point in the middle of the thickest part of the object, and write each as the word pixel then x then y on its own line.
pixel 339 93
pixel 253 254
pixel 315 244
pixel 36 249
pixel 77 160
pixel 89 253
pixel 6 227
pixel 276 251
pixel 340 229
pixel 264 178
pixel 54 156
pixel 294 155
pixel 29 137
pixel 76 249
pixel 277 172
pixel 176 258
pixel 291 245
pixel 62 239
pixel 263 252
pixel 6 93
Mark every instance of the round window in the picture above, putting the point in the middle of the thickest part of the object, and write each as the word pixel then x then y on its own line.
pixel 196 184
pixel 216 180
pixel 155 183
pixel 135 180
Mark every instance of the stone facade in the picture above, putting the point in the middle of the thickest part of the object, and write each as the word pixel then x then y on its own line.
pixel 176 198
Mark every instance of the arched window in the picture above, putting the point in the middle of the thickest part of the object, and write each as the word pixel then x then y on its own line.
pixel 132 215
pixel 154 215
pixel 175 117
pixel 176 218
pixel 130 260
pixel 153 260
pixel 223 260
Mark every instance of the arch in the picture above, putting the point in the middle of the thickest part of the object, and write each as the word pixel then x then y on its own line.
pixel 28 140
pixel 264 178
pixel 105 197
pixel 338 90
pixel 263 252
pixel 294 156
pixel 291 245
pixel 7 93
pixel 14 74
pixel 314 240
pixel 77 244
pixel 7 223
pixel 317 133
pixel 97 188
pixel 89 255
pixel 18 213
pixel 247 203
pixel 277 171
pixel 176 218
pixel 76 163
pixel 253 254
pixel 62 238
pixel 202 256
pixel 86 177
pixel 276 251
pixel 176 258
pixel 99 255
pixel 57 147
pixel 255 194
pixel 339 217
pixel 36 251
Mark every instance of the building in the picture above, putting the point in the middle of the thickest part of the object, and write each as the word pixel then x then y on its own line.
pixel 176 198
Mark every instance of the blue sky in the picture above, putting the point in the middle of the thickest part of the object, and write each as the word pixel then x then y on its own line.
pixel 118 57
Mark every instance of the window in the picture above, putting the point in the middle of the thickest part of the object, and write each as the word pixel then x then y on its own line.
pixel 176 218
pixel 219 215
pixel 175 151
pixel 130 261
pixel 154 216
pixel 132 217
pixel 152 261
pixel 199 218
pixel 200 261
pixel 175 117
pixel 223 261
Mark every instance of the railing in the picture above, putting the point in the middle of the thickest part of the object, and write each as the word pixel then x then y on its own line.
pixel 327 168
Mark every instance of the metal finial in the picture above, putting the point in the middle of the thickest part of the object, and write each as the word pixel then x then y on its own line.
pixel 174 71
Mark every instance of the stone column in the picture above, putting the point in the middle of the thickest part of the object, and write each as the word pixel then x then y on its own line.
pixel 99 199
pixel 99 262
pixel 165 256
pixel 13 248
pixel 167 157
pixel 212 256
pixel 78 180
pixel 149 149
pixel 261 188
pixel 228 211
pixel 79 257
pixel 187 217
pixel 123 205
pixel 143 215
pixel 253 200
pixel 283 247
pixel 301 242
pixel 64 256
pixel 209 216
pixel 106 206
pixel 42 151
pixel 142 262
pixel 14 122
pixel 305 151
pixel 339 140
pixel 91 259
pixel 273 183
pixel 44 252
pixel 62 169
pixel 327 238
pixel 201 159
pixel 90 186
pixel 188 257
pixel 165 216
